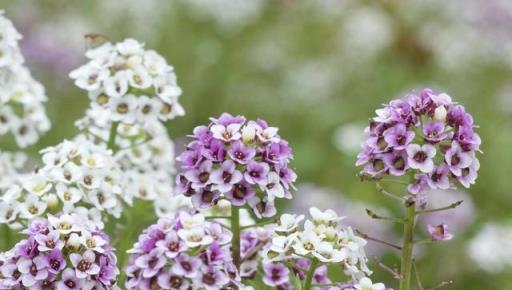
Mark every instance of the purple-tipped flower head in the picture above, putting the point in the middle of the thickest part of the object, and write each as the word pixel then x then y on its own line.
pixel 426 136
pixel 185 252
pixel 246 162
pixel 61 252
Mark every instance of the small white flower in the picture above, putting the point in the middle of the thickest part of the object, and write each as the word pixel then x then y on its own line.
pixel 68 194
pixel 195 237
pixel 288 223
pixel 32 207
pixel 326 253
pixel 367 284
pixel 191 221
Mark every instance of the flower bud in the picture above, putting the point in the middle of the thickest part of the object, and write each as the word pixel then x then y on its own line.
pixel 440 113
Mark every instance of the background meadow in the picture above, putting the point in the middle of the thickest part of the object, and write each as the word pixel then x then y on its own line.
pixel 317 70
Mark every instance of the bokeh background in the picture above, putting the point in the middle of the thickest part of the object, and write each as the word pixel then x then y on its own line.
pixel 317 69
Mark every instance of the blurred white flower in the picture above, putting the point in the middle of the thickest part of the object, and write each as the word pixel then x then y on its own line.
pixel 349 137
pixel 491 248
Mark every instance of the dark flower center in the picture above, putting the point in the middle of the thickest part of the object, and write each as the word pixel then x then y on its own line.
pixel 209 279
pixel 420 156
pixel 203 177
pixel 399 163
pixel 175 282
pixel 207 196
pixel 83 265
pixel 455 160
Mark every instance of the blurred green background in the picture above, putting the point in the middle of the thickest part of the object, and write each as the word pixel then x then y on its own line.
pixel 317 70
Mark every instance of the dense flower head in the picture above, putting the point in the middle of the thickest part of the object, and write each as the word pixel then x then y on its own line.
pixel 246 162
pixel 21 97
pixel 61 252
pixel 426 135
pixel 321 238
pixel 184 252
pixel 145 154
pixel 134 84
pixel 76 176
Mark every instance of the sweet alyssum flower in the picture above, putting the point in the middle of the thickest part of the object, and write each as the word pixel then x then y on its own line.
pixel 320 239
pixel 134 84
pixel 426 135
pixel 61 252
pixel 246 162
pixel 184 252
pixel 75 174
pixel 21 97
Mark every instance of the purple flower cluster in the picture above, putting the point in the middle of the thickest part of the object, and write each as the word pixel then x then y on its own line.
pixel 426 135
pixel 245 162
pixel 60 253
pixel 185 252
pixel 277 274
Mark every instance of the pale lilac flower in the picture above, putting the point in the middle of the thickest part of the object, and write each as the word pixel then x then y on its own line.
pixel 439 232
pixel 398 136
pixel 420 157
pixel 457 160
pixel 85 264
pixel 226 176
pixel 275 274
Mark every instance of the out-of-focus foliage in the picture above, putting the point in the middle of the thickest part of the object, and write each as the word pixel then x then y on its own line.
pixel 310 68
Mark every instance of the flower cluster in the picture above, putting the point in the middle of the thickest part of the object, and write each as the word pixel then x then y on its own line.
pixel 321 239
pixel 135 85
pixel 185 252
pixel 11 165
pixel 75 174
pixel 244 162
pixel 61 252
pixel 426 135
pixel 145 154
pixel 21 97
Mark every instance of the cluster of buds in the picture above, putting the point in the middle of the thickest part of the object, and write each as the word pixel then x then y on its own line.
pixel 185 252
pixel 132 84
pixel 321 241
pixel 426 135
pixel 62 252
pixel 244 162
pixel 21 97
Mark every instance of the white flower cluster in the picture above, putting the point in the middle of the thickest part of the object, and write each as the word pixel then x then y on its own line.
pixel 77 176
pixel 135 85
pixel 11 165
pixel 321 239
pixel 21 97
pixel 145 154
pixel 491 248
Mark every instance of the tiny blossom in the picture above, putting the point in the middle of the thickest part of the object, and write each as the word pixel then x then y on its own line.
pixel 322 239
pixel 439 232
pixel 424 134
pixel 51 258
pixel 74 174
pixel 21 97
pixel 11 170
pixel 183 252
pixel 245 162
pixel 134 84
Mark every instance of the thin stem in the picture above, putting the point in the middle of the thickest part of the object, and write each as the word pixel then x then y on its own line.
pixel 383 191
pixel 367 237
pixel 7 237
pixel 393 272
pixel 112 137
pixel 373 215
pixel 235 229
pixel 451 206
pixel 218 217
pixel 309 277
pixel 418 279
pixel 408 245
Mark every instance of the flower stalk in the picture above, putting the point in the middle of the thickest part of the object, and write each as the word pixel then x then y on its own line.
pixel 408 245
pixel 309 277
pixel 235 229
pixel 112 137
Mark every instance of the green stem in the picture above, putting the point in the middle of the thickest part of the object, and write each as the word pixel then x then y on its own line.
pixel 309 277
pixel 235 228
pixel 112 137
pixel 407 248
pixel 7 237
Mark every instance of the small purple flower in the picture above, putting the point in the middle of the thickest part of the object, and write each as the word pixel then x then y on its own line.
pixel 172 245
pixel 274 188
pixel 469 174
pixel 396 162
pixel 226 176
pixel 262 208
pixel 434 132
pixel 256 172
pixel 215 151
pixel 49 241
pixel 85 265
pixel 398 136
pixel 166 280
pixel 241 193
pixel 203 134
pixel 211 279
pixel 205 198
pixel 32 271
pixel 420 184
pixel 439 232
pixel 420 157
pixel 277 152
pixel 186 266
pixel 151 263
pixel 69 281
pixel 55 261
pixel 439 178
pixel 227 133
pixel 275 274
pixel 227 119
pixel 201 176
pixel 457 160
pixel 241 153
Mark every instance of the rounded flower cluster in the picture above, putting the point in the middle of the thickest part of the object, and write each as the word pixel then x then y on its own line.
pixel 320 239
pixel 75 174
pixel 185 252
pixel 21 97
pixel 11 165
pixel 134 84
pixel 61 252
pixel 425 135
pixel 145 154
pixel 244 162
